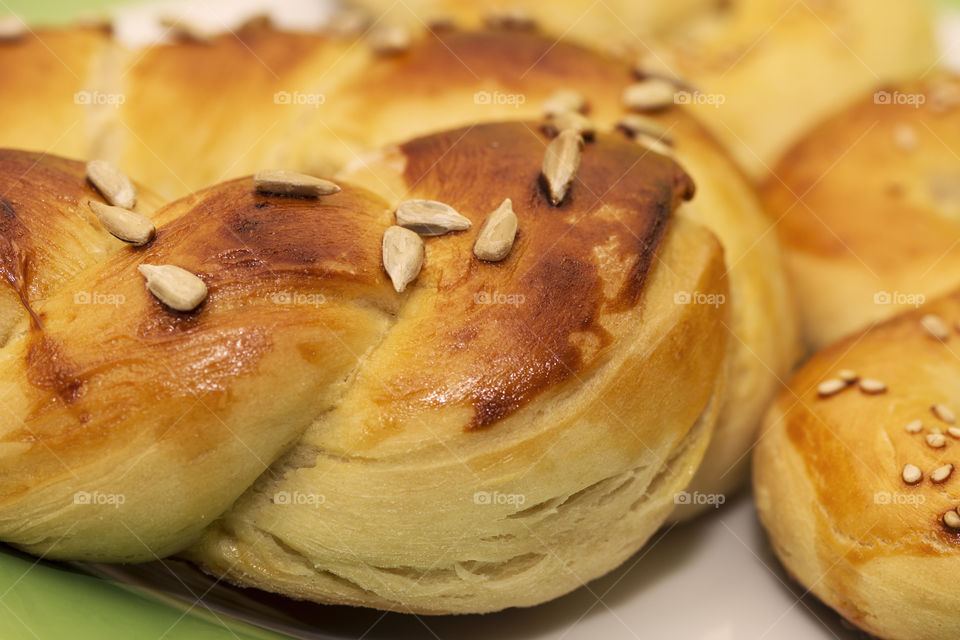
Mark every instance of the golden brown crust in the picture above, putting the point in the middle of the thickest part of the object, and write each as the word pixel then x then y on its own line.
pixel 866 211
pixel 830 486
pixel 49 72
pixel 48 233
pixel 554 343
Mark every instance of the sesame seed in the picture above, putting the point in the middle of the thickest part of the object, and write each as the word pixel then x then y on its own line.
pixel 943 413
pixel 915 427
pixel 935 326
pixel 911 474
pixel 871 386
pixel 940 474
pixel 848 375
pixel 952 519
pixel 831 387
pixel 936 440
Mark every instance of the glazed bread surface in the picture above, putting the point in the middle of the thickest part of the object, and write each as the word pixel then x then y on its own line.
pixel 524 426
pixel 868 209
pixel 831 485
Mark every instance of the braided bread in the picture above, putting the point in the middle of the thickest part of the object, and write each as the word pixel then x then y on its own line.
pixel 133 427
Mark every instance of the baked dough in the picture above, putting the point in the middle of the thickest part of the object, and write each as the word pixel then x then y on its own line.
pixel 504 430
pixel 439 483
pixel 832 484
pixel 868 208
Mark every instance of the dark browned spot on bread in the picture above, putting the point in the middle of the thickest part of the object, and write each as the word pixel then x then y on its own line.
pixel 48 368
pixel 502 333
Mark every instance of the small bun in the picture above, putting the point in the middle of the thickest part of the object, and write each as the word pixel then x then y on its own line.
pixel 857 482
pixel 868 208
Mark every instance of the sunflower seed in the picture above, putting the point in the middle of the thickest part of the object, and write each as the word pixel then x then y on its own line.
pixel 288 183
pixel 175 287
pixel 12 28
pixel 649 95
pixel 430 218
pixel 560 163
pixel 911 474
pixel 562 101
pixel 831 387
pixel 570 120
pixel 943 413
pixel 940 474
pixel 497 234
pixel 634 124
pixel 915 426
pixel 112 183
pixel 935 326
pixel 388 40
pixel 951 519
pixel 124 224
pixel 402 256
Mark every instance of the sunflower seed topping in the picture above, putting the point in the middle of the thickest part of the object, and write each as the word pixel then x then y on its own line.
pixel 430 218
pixel 124 224
pixel 649 95
pixel 288 183
pixel 497 234
pixel 402 256
pixel 175 287
pixel 561 162
pixel 112 183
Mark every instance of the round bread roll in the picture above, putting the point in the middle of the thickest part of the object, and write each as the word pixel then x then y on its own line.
pixel 868 208
pixel 523 426
pixel 48 231
pixel 763 72
pixel 856 477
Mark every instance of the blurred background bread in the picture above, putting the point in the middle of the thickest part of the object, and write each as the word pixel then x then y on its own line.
pixel 867 207
pixel 856 481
